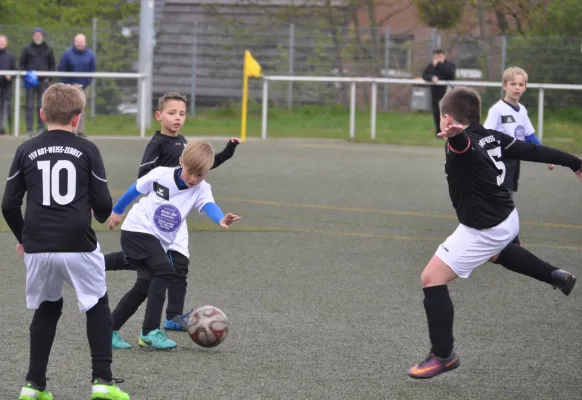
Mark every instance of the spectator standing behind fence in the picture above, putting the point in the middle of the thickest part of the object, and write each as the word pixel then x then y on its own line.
pixel 440 69
pixel 37 56
pixel 7 63
pixel 79 58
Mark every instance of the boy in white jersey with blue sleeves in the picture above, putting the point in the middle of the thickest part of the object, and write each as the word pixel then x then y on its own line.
pixel 151 227
pixel 509 116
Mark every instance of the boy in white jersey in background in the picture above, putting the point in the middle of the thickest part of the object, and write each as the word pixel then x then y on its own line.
pixel 151 227
pixel 509 116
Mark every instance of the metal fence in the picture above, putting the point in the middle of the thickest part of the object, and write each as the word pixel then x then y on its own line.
pixel 205 59
pixel 116 50
pixel 373 83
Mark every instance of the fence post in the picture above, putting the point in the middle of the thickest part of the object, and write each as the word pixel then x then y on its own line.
pixel 386 64
pixel 373 111
pixel 143 83
pixel 353 110
pixel 503 58
pixel 541 113
pixel 194 67
pixel 265 109
pixel 16 123
pixel 291 65
pixel 94 49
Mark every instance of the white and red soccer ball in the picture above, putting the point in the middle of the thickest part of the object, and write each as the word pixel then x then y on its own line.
pixel 208 326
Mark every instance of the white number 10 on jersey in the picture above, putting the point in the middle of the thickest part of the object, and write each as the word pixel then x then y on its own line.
pixel 51 182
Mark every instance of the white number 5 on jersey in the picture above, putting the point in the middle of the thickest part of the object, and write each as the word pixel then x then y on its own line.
pixel 495 155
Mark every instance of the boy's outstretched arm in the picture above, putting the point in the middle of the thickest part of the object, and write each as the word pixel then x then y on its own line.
pixel 215 214
pixel 227 153
pixel 526 151
pixel 126 199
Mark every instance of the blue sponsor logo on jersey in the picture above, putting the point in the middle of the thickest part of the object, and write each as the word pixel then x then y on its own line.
pixel 167 218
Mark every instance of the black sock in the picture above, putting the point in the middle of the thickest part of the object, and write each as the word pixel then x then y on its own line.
pixel 439 314
pixel 99 332
pixel 178 285
pixel 176 298
pixel 155 303
pixel 130 302
pixel 117 262
pixel 42 335
pixel 518 259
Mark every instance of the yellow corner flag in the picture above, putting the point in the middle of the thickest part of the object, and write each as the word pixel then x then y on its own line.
pixel 251 69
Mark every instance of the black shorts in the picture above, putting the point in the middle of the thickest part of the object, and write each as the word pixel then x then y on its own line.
pixel 145 252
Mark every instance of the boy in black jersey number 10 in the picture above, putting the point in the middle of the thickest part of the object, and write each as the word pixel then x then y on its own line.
pixel 488 219
pixel 64 179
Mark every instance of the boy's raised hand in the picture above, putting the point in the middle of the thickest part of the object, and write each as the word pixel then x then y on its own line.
pixel 579 174
pixel 228 220
pixel 113 220
pixel 236 140
pixel 451 130
pixel 551 167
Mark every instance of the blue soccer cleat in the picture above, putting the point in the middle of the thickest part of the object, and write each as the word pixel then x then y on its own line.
pixel 178 323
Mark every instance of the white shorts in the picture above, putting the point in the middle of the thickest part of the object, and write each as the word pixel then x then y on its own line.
pixel 180 243
pixel 467 248
pixel 46 274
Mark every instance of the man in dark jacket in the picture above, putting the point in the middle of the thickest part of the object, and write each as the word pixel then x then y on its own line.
pixel 37 56
pixel 78 58
pixel 7 63
pixel 440 69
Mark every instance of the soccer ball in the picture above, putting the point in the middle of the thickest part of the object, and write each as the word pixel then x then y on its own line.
pixel 208 326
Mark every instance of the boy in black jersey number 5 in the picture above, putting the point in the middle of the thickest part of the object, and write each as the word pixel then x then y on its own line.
pixel 488 219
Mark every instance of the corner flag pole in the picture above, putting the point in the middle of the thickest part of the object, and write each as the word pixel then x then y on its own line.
pixel 251 69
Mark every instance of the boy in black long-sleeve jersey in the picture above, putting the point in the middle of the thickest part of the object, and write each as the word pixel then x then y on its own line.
pixel 164 150
pixel 65 182
pixel 488 219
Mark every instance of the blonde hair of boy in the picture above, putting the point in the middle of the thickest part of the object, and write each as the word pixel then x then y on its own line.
pixel 61 103
pixel 170 96
pixel 511 72
pixel 198 157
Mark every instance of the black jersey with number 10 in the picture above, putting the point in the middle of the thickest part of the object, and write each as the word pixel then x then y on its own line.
pixel 476 173
pixel 64 178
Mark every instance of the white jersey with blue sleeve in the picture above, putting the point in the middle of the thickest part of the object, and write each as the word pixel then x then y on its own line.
pixel 166 204
pixel 504 118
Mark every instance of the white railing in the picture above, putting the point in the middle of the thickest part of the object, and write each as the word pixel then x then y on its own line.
pixel 142 79
pixel 374 94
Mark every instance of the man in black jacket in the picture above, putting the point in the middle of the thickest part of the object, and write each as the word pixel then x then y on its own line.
pixel 440 69
pixel 7 63
pixel 37 56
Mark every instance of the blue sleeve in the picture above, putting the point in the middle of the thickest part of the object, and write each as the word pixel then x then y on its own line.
pixel 130 195
pixel 532 139
pixel 213 211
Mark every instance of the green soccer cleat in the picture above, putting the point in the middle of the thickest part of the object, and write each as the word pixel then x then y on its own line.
pixel 32 392
pixel 118 342
pixel 103 390
pixel 157 340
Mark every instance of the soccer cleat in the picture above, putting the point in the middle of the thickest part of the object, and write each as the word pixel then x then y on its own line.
pixel 103 390
pixel 563 280
pixel 118 342
pixel 178 323
pixel 433 366
pixel 32 392
pixel 157 340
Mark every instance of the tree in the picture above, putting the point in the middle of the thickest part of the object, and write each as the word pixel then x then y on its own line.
pixel 63 19
pixel 441 14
